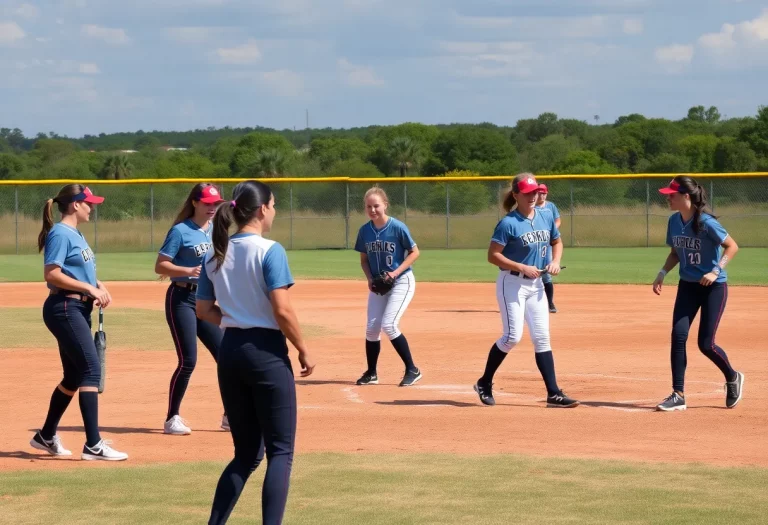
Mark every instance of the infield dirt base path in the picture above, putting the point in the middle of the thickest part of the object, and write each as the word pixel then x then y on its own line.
pixel 611 347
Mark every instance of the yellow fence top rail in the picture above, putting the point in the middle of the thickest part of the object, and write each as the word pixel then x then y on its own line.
pixel 283 180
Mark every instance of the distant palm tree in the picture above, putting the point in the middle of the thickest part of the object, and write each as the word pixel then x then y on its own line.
pixel 404 153
pixel 597 118
pixel 117 167
pixel 269 163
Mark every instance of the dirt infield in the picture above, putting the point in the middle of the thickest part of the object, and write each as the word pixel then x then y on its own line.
pixel 611 350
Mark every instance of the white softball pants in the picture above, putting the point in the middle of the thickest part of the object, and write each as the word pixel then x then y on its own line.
pixel 385 311
pixel 522 301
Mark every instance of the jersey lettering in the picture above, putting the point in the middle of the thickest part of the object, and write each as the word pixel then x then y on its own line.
pixel 87 254
pixel 535 236
pixel 202 248
pixel 380 246
pixel 689 243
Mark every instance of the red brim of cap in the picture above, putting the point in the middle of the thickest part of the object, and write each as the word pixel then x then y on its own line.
pixel 667 191
pixel 530 189
pixel 211 200
pixel 93 199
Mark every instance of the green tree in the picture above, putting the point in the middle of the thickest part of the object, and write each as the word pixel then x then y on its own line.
pixel 700 150
pixel 404 153
pixel 732 155
pixel 51 150
pixel 355 168
pixel 548 153
pixel 247 152
pixel 330 150
pixel 584 162
pixel 11 166
pixel 116 167
pixel 483 150
pixel 756 133
pixel 147 142
pixel 267 163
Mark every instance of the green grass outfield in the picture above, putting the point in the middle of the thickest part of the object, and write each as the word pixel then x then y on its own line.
pixel 584 265
pixel 378 489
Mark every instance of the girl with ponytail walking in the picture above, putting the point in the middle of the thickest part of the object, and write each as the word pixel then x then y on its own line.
pixel 695 238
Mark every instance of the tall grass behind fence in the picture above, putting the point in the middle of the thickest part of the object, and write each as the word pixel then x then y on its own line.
pixel 620 211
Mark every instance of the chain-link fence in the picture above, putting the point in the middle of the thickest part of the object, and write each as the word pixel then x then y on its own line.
pixel 615 212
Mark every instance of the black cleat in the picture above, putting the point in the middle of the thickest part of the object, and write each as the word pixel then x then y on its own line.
pixel 561 400
pixel 733 390
pixel 485 392
pixel 411 377
pixel 552 309
pixel 673 402
pixel 368 378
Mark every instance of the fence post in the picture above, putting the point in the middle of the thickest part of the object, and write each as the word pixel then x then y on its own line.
pixel 346 219
pixel 570 182
pixel 447 215
pixel 647 213
pixel 290 199
pixel 152 217
pixel 498 202
pixel 96 229
pixel 16 214
pixel 712 193
pixel 405 202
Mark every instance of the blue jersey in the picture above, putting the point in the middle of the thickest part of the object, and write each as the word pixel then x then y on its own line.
pixel 67 248
pixel 526 241
pixel 548 205
pixel 186 244
pixel 386 248
pixel 698 254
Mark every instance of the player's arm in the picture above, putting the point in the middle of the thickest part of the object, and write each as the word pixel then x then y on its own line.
pixel 413 254
pixel 165 266
pixel 558 222
pixel 730 250
pixel 669 264
pixel 208 310
pixel 496 258
pixel 289 324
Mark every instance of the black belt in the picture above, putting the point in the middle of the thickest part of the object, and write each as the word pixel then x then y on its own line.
pixel 73 295
pixel 519 274
pixel 184 284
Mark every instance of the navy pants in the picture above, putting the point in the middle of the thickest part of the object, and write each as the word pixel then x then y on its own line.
pixel 185 329
pixel 711 300
pixel 259 395
pixel 69 320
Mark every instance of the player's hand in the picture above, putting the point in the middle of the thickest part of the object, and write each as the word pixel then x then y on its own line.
pixel 307 363
pixel 657 284
pixel 194 272
pixel 370 284
pixel 553 268
pixel 708 279
pixel 101 296
pixel 531 271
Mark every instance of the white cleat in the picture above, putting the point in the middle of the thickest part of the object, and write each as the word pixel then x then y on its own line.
pixel 102 451
pixel 54 447
pixel 176 427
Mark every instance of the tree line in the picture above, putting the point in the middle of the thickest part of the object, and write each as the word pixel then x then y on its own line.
pixel 701 142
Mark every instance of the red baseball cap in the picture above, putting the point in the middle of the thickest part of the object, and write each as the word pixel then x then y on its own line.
pixel 84 196
pixel 673 187
pixel 527 185
pixel 543 188
pixel 210 195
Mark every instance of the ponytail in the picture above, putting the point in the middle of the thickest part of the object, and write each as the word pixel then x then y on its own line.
pixel 220 235
pixel 510 203
pixel 700 205
pixel 47 224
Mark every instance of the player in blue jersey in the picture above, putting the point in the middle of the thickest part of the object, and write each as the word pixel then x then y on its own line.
pixel 386 245
pixel 696 240
pixel 70 271
pixel 519 249
pixel 543 203
pixel 180 258
pixel 249 277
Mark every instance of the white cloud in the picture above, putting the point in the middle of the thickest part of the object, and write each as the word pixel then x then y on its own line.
pixel 284 82
pixel 89 69
pixel 542 27
pixel 110 35
pixel 731 37
pixel 10 32
pixel 489 59
pixel 674 58
pixel 633 26
pixel 192 35
pixel 247 53
pixel 358 76
pixel 26 11
pixel 42 39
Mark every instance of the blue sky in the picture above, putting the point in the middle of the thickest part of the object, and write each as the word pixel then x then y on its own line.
pixel 91 66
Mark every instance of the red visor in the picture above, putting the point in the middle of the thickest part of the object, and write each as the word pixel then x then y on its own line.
pixel 527 185
pixel 543 188
pixel 87 196
pixel 673 187
pixel 210 195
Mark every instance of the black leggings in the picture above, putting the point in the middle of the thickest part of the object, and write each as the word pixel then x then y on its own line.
pixel 259 394
pixel 711 299
pixel 185 329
